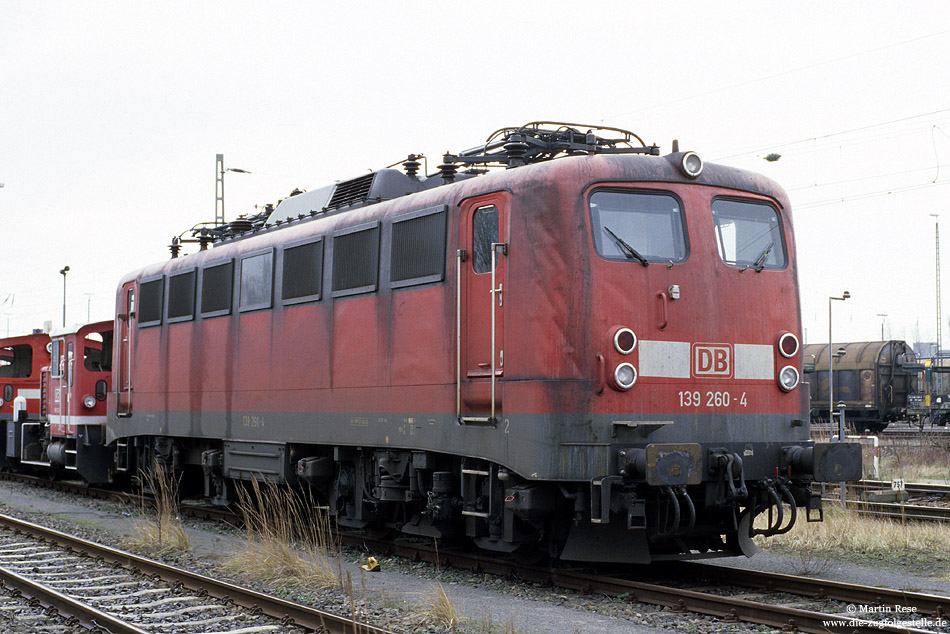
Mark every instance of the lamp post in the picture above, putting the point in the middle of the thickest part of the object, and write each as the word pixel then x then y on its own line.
pixel 883 316
pixel 63 271
pixel 220 171
pixel 831 370
pixel 831 380
pixel 936 218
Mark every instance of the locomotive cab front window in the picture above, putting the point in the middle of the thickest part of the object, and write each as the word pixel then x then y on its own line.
pixel 97 351
pixel 640 226
pixel 749 234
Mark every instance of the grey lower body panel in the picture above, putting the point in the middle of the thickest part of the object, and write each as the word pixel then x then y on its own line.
pixel 565 447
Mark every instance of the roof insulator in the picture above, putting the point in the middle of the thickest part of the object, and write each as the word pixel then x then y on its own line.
pixel 411 165
pixel 447 169
pixel 516 148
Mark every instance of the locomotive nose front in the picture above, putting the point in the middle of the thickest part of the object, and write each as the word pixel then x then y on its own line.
pixel 700 370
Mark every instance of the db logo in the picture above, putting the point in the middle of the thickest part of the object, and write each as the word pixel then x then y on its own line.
pixel 712 359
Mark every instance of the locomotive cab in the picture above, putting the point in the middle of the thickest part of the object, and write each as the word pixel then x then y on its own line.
pixel 21 362
pixel 68 433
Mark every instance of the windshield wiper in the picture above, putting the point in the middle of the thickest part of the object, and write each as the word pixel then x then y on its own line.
pixel 759 262
pixel 628 250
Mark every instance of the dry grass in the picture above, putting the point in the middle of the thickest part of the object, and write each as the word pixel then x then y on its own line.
pixel 437 610
pixel 487 626
pixel 289 539
pixel 849 532
pixel 923 459
pixel 161 530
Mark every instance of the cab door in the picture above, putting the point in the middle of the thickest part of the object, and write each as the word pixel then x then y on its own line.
pixel 59 394
pixel 66 385
pixel 125 327
pixel 482 286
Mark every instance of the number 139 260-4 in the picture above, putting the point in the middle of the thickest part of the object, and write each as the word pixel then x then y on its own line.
pixel 696 398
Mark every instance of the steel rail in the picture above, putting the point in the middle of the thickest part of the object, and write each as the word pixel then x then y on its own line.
pixel 714 605
pixel 928 604
pixel 728 608
pixel 732 608
pixel 917 488
pixel 301 615
pixel 66 605
pixel 897 510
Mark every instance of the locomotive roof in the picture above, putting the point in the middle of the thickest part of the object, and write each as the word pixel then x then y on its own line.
pixel 98 326
pixel 598 154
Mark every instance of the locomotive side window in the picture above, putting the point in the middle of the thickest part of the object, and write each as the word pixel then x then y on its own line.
pixel 484 233
pixel 749 234
pixel 216 290
pixel 303 272
pixel 257 277
pixel 418 248
pixel 16 362
pixel 355 260
pixel 150 308
pixel 639 226
pixel 69 363
pixel 56 362
pixel 181 296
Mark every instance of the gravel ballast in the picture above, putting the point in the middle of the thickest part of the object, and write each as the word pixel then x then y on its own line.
pixel 398 594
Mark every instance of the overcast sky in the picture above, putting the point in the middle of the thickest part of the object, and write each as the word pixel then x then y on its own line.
pixel 111 114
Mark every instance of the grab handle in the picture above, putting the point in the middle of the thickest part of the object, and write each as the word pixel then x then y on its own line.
pixel 664 320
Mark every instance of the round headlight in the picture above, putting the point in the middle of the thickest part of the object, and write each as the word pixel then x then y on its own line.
pixel 625 341
pixel 788 345
pixel 788 378
pixel 625 375
pixel 692 164
pixel 89 401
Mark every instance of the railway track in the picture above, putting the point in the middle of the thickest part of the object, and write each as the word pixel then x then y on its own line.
pixel 896 510
pixel 119 592
pixel 755 600
pixel 913 508
pixel 765 609
pixel 930 434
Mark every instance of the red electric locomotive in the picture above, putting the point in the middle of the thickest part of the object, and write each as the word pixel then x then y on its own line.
pixel 597 355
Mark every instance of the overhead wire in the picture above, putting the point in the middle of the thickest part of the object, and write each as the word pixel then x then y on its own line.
pixel 887 192
pixel 873 126
pixel 782 73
